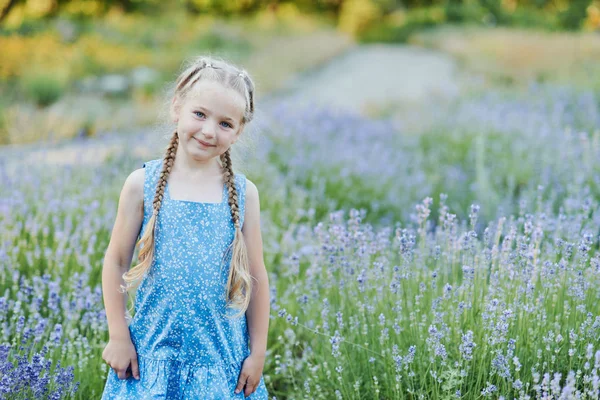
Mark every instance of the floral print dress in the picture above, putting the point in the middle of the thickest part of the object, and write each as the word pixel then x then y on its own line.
pixel 187 348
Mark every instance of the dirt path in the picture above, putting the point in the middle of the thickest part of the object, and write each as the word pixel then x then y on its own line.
pixel 371 77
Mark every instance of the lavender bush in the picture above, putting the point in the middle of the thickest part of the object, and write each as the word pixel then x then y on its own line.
pixel 372 297
pixel 34 377
pixel 493 148
pixel 409 311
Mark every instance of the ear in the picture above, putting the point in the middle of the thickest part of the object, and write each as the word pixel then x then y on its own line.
pixel 174 109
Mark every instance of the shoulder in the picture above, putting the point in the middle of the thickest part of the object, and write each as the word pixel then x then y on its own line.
pixel 134 184
pixel 132 194
pixel 252 209
pixel 251 191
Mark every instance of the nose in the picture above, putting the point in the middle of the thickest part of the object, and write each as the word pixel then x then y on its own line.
pixel 208 129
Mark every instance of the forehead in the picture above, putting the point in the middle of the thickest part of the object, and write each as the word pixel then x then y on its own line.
pixel 217 98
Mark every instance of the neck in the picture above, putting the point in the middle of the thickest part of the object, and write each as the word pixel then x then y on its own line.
pixel 190 166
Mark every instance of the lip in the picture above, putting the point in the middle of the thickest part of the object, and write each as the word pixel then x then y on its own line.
pixel 204 143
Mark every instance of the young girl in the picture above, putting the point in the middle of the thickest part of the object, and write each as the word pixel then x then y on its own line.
pixel 202 301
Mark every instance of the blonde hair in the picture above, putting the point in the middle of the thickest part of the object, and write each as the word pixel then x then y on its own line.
pixel 239 281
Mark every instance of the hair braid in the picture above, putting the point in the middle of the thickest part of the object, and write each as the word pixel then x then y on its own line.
pixel 239 281
pixel 232 190
pixel 133 277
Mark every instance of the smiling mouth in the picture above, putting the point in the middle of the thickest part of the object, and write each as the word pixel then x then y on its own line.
pixel 204 143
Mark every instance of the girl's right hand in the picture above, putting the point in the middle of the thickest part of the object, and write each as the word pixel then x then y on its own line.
pixel 120 354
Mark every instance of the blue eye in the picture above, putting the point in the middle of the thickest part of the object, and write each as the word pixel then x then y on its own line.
pixel 202 115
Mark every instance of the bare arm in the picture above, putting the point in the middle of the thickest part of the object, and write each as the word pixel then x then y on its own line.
pixel 259 308
pixel 117 259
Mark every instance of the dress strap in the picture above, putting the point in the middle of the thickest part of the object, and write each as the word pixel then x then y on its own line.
pixel 152 168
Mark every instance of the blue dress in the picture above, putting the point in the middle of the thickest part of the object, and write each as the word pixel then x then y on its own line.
pixel 186 347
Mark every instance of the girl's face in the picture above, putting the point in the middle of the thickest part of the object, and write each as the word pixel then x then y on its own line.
pixel 209 121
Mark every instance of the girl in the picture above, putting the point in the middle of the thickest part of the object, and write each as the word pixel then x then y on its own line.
pixel 202 287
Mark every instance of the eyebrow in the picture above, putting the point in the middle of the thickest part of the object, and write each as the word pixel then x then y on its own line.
pixel 223 117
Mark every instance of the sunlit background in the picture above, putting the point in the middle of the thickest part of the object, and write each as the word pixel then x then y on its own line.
pixel 429 175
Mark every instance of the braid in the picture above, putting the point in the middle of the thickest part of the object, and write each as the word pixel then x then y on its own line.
pixel 239 281
pixel 231 189
pixel 146 243
pixel 168 161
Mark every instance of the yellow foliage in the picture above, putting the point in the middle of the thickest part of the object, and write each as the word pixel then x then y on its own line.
pixel 265 19
pixel 592 22
pixel 87 8
pixel 15 17
pixel 109 55
pixel 202 5
pixel 357 15
pixel 397 18
pixel 20 53
pixel 30 9
pixel 237 5
pixel 285 16
pixel 288 12
pixel 230 6
pixel 509 5
pixel 290 17
pixel 39 8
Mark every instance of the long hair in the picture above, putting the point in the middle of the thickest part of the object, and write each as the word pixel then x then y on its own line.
pixel 239 281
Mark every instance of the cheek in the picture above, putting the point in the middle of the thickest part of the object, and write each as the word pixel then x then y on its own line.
pixel 188 124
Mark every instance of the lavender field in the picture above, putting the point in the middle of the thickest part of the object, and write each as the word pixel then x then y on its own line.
pixel 458 261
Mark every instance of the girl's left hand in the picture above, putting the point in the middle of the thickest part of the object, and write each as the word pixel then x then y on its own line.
pixel 250 374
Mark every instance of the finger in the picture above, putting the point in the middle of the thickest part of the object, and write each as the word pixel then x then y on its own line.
pixel 121 373
pixel 135 369
pixel 250 387
pixel 241 382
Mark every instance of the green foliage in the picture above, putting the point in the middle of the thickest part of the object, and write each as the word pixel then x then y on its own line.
pixel 573 17
pixel 218 40
pixel 392 31
pixel 217 7
pixel 459 11
pixel 483 12
pixel 491 11
pixel 494 8
pixel 44 88
pixel 532 18
pixel 453 10
pixel 4 137
pixel 28 27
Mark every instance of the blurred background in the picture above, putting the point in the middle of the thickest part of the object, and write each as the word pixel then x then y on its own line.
pixel 76 68
pixel 429 174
